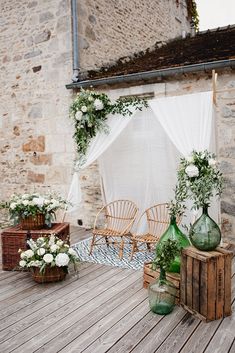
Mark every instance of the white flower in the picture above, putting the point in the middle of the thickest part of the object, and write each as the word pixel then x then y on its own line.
pixel 98 104
pixel 72 252
pixel 192 171
pixel 36 263
pixel 28 253
pixel 190 159
pixel 41 251
pixel 32 244
pixel 62 259
pixel 212 162
pixel 39 201
pixel 22 263
pixel 52 240
pixel 203 155
pixel 48 258
pixel 25 202
pixel 90 98
pixel 13 205
pixel 84 109
pixel 78 115
pixel 60 242
pixel 54 248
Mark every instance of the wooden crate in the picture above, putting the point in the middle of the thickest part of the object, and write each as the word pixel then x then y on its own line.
pixel 151 275
pixel 205 289
pixel 15 238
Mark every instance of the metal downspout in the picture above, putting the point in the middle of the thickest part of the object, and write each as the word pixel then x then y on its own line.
pixel 76 66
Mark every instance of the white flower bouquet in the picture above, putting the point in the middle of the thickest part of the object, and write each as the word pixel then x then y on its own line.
pixel 199 178
pixel 47 252
pixel 90 110
pixel 26 205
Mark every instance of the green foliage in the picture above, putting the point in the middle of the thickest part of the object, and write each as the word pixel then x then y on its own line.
pixel 165 254
pixel 199 178
pixel 195 15
pixel 89 112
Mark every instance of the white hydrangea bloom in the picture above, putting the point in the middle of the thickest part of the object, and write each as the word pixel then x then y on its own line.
pixel 72 252
pixel 25 202
pixel 192 171
pixel 84 109
pixel 54 248
pixel 190 159
pixel 78 115
pixel 98 104
pixel 62 259
pixel 13 205
pixel 48 258
pixel 212 162
pixel 41 251
pixel 22 263
pixel 28 253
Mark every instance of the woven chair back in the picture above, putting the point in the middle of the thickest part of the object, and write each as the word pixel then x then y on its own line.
pixel 120 215
pixel 157 219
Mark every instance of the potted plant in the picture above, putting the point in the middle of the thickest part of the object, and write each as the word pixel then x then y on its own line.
pixel 48 259
pixel 33 211
pixel 200 179
pixel 162 292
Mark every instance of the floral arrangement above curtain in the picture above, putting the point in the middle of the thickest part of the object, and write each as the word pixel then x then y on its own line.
pixel 90 110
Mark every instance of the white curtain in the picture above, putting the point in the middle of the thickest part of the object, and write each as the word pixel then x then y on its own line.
pixel 188 120
pixel 139 157
pixel 102 141
pixel 141 163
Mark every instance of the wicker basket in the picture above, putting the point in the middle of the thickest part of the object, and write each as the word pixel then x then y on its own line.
pixel 51 274
pixel 33 222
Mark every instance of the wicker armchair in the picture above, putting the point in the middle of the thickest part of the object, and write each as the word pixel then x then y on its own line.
pixel 118 217
pixel 157 222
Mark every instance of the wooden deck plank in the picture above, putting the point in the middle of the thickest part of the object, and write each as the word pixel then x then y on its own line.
pixel 160 332
pixel 103 325
pixel 80 320
pixel 100 312
pixel 58 304
pixel 38 292
pixel 22 339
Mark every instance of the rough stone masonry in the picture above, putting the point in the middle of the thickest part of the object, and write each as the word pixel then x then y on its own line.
pixel 36 144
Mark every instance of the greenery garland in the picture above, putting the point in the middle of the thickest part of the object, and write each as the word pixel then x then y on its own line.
pixel 90 110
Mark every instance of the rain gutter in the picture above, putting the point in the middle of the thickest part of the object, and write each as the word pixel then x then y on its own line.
pixel 155 74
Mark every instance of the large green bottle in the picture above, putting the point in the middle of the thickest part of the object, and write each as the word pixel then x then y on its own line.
pixel 173 232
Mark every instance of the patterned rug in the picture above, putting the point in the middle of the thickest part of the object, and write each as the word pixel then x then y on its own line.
pixel 109 255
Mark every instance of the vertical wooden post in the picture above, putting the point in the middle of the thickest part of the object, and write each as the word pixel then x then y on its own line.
pixel 214 80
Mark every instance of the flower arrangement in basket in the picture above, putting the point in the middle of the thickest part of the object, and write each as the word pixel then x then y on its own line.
pixel 34 210
pixel 89 112
pixel 48 258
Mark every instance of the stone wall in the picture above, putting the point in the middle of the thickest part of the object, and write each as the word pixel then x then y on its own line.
pixel 111 29
pixel 36 145
pixel 226 137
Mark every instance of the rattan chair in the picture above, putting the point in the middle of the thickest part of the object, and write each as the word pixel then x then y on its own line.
pixel 158 219
pixel 118 218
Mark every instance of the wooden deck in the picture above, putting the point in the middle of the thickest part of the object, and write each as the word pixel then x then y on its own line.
pixel 104 310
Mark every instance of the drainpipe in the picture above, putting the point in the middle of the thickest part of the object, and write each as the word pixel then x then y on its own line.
pixel 76 67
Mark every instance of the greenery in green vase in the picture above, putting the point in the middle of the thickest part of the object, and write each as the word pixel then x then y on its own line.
pixel 165 254
pixel 199 178
pixel 89 112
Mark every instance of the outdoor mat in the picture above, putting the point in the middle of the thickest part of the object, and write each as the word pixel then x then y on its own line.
pixel 109 255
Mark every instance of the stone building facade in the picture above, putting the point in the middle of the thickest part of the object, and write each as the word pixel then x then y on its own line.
pixel 36 145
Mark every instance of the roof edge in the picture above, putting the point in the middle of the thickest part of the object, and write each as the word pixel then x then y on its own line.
pixel 228 63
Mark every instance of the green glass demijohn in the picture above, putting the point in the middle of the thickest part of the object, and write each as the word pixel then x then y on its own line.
pixel 205 233
pixel 173 232
pixel 162 295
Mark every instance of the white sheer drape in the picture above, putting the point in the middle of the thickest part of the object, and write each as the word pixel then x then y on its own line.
pixel 186 119
pixel 116 124
pixel 139 157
